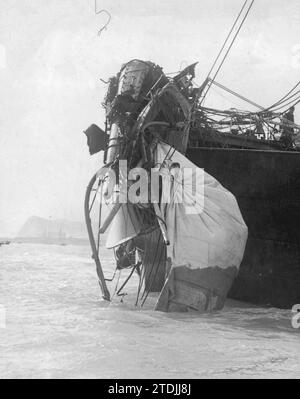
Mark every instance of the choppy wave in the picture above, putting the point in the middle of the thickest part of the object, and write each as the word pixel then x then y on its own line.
pixel 58 327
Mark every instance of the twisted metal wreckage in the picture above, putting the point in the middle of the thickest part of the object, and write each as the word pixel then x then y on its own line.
pixel 187 250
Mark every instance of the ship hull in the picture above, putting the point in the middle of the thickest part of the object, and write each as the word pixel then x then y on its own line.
pixel 267 187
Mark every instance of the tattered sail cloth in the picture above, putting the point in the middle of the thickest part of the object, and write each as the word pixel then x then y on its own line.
pixel 206 231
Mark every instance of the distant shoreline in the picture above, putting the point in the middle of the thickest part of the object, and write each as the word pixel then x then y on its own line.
pixel 49 241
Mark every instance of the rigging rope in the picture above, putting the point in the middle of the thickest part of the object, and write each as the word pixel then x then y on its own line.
pixel 284 105
pixel 283 98
pixel 128 278
pixel 155 273
pixel 225 56
pixel 150 275
pixel 237 95
pixel 225 42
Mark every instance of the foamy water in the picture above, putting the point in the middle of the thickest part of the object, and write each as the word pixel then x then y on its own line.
pixel 58 327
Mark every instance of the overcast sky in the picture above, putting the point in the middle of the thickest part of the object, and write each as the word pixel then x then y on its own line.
pixel 51 62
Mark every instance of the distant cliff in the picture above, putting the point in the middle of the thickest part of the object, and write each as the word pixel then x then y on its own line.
pixel 52 231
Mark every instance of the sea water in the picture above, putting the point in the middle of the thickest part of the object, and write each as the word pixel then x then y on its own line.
pixel 53 324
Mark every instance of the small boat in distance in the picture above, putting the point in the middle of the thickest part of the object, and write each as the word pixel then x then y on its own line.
pixel 4 243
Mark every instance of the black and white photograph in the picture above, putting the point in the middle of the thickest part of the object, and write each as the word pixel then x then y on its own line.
pixel 150 192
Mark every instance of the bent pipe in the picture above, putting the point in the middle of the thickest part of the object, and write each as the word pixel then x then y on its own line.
pixel 95 256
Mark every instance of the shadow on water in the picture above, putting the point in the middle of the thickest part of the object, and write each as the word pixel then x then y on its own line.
pixel 263 321
pixel 266 322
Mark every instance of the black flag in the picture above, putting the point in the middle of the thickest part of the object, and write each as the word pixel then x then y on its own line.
pixel 97 139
